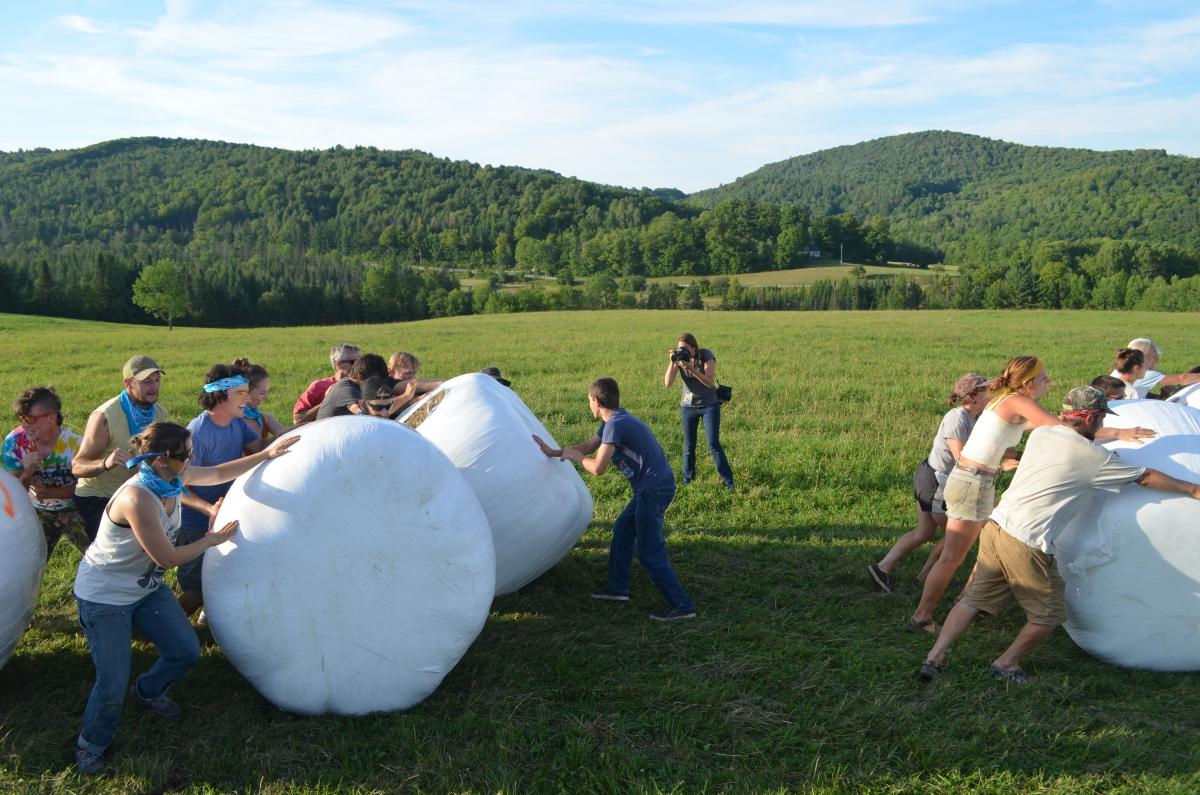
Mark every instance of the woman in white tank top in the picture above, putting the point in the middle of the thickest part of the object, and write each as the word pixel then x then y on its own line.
pixel 971 488
pixel 119 582
pixel 970 491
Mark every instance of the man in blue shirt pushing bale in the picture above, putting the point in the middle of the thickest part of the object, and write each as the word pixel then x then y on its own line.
pixel 624 441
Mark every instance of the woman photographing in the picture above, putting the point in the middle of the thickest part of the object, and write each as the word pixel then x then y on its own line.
pixel 698 368
pixel 119 584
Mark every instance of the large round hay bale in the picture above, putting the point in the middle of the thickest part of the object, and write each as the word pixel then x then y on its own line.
pixel 1132 561
pixel 22 558
pixel 361 573
pixel 537 507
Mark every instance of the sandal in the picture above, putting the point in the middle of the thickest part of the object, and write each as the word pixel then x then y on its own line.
pixel 930 670
pixel 926 627
pixel 1014 677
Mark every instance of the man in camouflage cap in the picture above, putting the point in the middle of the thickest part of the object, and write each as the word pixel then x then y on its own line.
pixel 1061 470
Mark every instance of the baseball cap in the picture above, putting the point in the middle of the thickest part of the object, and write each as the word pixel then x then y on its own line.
pixel 1083 398
pixel 376 389
pixel 140 367
pixel 969 384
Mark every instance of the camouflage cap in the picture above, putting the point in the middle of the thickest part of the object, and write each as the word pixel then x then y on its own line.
pixel 1086 398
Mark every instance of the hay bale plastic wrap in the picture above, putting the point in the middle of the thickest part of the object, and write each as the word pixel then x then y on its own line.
pixel 361 572
pixel 537 507
pixel 1131 562
pixel 1187 396
pixel 22 558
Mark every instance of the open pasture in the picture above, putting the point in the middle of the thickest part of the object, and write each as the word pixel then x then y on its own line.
pixel 796 676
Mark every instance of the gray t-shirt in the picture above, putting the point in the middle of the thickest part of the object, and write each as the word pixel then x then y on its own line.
pixel 956 424
pixel 696 394
pixel 338 400
pixel 1060 470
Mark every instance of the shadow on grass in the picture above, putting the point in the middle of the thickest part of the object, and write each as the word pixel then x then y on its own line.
pixel 795 672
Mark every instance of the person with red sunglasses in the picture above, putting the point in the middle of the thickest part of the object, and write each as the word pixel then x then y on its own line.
pixel 39 453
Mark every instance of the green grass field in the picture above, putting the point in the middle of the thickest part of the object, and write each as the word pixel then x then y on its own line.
pixel 796 677
pixel 833 271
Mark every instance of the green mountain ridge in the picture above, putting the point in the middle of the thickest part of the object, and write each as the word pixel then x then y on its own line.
pixel 961 192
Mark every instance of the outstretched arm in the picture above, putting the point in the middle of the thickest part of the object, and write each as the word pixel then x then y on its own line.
pixel 223 473
pixel 1153 479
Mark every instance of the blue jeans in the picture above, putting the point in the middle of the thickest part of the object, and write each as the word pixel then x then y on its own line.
pixel 641 525
pixel 109 632
pixel 712 431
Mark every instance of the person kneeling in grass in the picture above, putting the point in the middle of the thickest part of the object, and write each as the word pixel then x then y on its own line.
pixel 626 442
pixel 1061 470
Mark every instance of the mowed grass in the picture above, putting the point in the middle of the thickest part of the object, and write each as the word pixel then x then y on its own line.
pixel 794 277
pixel 796 676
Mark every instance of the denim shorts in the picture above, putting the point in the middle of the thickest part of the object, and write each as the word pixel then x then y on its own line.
pixel 970 496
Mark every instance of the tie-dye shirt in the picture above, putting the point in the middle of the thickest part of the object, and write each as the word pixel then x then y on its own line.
pixel 55 469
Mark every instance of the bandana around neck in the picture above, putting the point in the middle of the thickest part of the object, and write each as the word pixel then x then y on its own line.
pixel 138 417
pixel 164 489
pixel 252 413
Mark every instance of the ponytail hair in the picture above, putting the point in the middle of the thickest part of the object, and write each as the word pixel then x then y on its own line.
pixel 1128 359
pixel 169 438
pixel 1017 373
pixel 254 373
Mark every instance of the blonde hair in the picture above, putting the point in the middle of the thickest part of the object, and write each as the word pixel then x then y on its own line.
pixel 404 359
pixel 1017 373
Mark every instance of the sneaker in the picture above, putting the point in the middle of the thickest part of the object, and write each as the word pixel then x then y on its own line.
pixel 729 486
pixel 610 596
pixel 88 763
pixel 673 614
pixel 883 581
pixel 163 706
pixel 202 619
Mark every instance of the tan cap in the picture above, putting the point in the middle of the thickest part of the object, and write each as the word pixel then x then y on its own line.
pixel 140 368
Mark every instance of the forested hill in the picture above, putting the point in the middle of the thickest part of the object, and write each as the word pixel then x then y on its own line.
pixel 964 193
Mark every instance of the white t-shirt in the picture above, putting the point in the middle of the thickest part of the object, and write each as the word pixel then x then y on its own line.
pixel 1144 385
pixel 1060 470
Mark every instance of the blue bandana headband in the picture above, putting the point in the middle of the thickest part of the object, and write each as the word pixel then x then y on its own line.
pixel 226 384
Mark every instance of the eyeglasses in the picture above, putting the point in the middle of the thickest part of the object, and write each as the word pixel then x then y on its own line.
pixel 30 419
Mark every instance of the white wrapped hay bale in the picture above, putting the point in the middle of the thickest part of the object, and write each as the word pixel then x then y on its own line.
pixel 1188 396
pixel 361 573
pixel 1132 564
pixel 22 558
pixel 537 507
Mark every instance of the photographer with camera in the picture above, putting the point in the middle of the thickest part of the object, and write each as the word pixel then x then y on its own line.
pixel 698 368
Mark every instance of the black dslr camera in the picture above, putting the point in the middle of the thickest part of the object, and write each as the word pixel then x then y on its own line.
pixel 681 355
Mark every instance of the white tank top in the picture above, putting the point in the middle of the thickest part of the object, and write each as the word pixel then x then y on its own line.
pixel 115 570
pixel 990 438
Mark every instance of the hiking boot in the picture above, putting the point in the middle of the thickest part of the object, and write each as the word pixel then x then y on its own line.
pixel 610 596
pixel 88 763
pixel 882 580
pixel 673 614
pixel 163 706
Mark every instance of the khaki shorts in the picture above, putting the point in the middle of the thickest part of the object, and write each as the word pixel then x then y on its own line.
pixel 1008 568
pixel 969 496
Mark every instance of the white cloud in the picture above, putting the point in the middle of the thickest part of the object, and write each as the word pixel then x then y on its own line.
pixel 79 24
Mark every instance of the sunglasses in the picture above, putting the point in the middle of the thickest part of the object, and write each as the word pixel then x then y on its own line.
pixel 384 406
pixel 178 463
pixel 30 419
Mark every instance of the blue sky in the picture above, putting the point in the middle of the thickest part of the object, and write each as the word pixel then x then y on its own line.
pixel 659 93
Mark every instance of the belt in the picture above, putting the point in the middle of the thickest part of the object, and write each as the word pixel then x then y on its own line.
pixel 975 470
